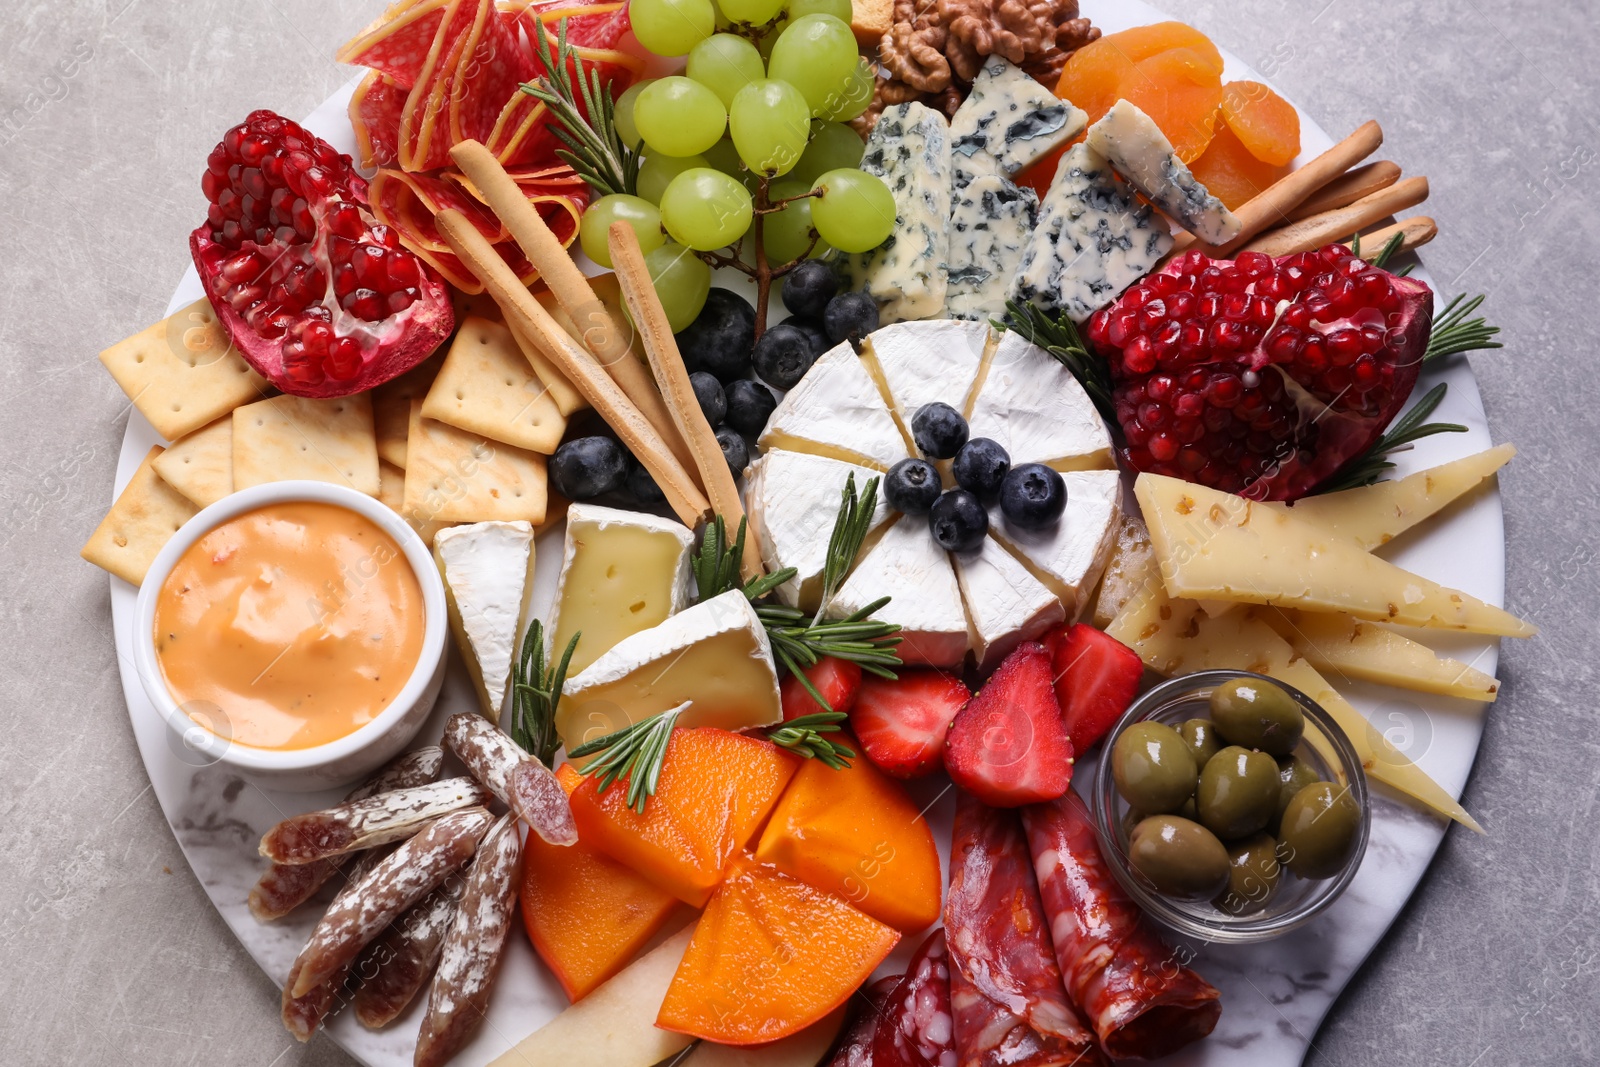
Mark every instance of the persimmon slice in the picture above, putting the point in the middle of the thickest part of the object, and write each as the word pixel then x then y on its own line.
pixel 1231 172
pixel 1267 124
pixel 769 957
pixel 856 834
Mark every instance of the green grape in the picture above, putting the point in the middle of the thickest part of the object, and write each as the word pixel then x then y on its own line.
pixel 679 117
pixel 855 211
pixel 657 172
pixel 839 9
pixel 856 94
pixel 833 145
pixel 817 55
pixel 623 109
pixel 769 121
pixel 672 27
pixel 755 12
pixel 706 209
pixel 682 283
pixel 786 234
pixel 636 211
pixel 725 64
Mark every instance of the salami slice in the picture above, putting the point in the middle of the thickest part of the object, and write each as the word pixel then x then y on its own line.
pixel 375 110
pixel 853 1046
pixel 398 41
pixel 1006 994
pixel 915 1029
pixel 366 823
pixel 1136 992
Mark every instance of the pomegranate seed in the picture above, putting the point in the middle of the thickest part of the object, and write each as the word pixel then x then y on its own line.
pixel 1224 390
pixel 1343 346
pixel 1152 315
pixel 1236 306
pixel 1152 416
pixel 1364 373
pixel 344 360
pixel 1255 264
pixel 1159 387
pixel 405 270
pixel 370 267
pixel 401 299
pixel 366 304
pixel 1163 447
pixel 1136 297
pixel 1318 305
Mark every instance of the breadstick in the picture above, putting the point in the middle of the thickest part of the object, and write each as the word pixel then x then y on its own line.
pixel 673 377
pixel 597 330
pixel 1414 232
pixel 1273 205
pixel 524 314
pixel 1348 188
pixel 1340 223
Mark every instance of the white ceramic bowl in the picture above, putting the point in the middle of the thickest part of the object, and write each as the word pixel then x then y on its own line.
pixel 356 754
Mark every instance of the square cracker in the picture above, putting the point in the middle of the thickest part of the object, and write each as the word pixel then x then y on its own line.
pixel 488 388
pixel 200 465
pixel 296 437
pixel 145 515
pixel 456 476
pixel 391 493
pixel 183 372
pixel 391 407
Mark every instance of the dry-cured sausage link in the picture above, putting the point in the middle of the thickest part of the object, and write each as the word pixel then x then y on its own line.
pixel 303 1015
pixel 377 820
pixel 393 968
pixel 1007 998
pixel 459 995
pixel 405 877
pixel 1137 993
pixel 915 1029
pixel 853 1047
pixel 522 783
pixel 285 886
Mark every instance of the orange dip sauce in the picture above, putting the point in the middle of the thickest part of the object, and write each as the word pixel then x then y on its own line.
pixel 289 626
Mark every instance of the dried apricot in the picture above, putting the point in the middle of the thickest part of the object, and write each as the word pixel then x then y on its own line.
pixel 1178 90
pixel 1093 76
pixel 1267 124
pixel 1229 170
pixel 1142 42
pixel 769 957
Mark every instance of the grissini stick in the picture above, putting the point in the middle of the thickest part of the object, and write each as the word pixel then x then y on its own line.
pixel 661 348
pixel 1414 233
pixel 524 314
pixel 1348 188
pixel 1340 223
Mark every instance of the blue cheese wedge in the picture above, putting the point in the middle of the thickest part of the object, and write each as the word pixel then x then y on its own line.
pixel 989 229
pixel 1141 153
pixel 1007 123
pixel 1093 240
pixel 909 149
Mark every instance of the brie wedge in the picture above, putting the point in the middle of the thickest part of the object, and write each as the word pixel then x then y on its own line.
pixel 1005 604
pixel 488 577
pixel 1036 410
pixel 923 362
pixel 836 411
pixel 908 565
pixel 1069 555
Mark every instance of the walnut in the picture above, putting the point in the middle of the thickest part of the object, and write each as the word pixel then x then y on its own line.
pixel 1015 29
pixel 913 49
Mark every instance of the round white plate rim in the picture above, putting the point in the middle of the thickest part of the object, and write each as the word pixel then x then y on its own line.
pixel 1456 724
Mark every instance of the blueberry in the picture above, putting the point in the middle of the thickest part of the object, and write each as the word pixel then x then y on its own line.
pixel 750 405
pixel 782 356
pixel 958 521
pixel 718 340
pixel 808 288
pixel 939 430
pixel 1032 496
pixel 734 450
pixel 849 317
pixel 911 486
pixel 708 392
pixel 641 486
pixel 819 340
pixel 587 467
pixel 980 467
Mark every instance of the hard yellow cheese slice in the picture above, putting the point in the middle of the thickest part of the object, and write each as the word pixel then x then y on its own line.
pixel 1214 545
pixel 1350 648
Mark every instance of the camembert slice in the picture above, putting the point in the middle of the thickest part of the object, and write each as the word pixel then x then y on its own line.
pixel 488 577
pixel 1036 410
pixel 838 412
pixel 908 565
pixel 1070 555
pixel 923 362
pixel 1005 604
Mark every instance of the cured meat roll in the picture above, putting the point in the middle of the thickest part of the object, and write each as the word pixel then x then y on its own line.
pixel 1136 992
pixel 1006 994
pixel 914 1029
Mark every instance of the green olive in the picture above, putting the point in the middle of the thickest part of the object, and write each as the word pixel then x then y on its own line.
pixel 1294 774
pixel 1257 714
pixel 1180 858
pixel 1153 768
pixel 1238 792
pixel 1319 830
pixel 1253 874
pixel 1201 737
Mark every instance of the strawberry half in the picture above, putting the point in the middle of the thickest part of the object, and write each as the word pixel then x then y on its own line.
pixel 1008 746
pixel 1261 376
pixel 1096 676
pixel 902 724
pixel 838 680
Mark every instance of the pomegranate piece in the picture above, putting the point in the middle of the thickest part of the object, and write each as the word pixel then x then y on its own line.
pixel 320 299
pixel 1261 376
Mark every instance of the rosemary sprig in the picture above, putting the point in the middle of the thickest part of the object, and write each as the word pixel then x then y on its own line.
pixel 1410 427
pixel 1453 332
pixel 585 117
pixel 1385 254
pixel 849 531
pixel 636 752
pixel 803 736
pixel 1059 336
pixel 535 694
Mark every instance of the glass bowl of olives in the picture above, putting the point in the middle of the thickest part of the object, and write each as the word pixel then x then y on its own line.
pixel 1230 806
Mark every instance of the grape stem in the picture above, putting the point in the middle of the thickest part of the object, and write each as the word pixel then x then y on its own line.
pixel 763 272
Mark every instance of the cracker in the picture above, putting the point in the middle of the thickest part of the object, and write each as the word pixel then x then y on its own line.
pixel 487 388
pixel 183 372
pixel 391 493
pixel 147 512
pixel 391 407
pixel 200 465
pixel 453 475
pixel 297 437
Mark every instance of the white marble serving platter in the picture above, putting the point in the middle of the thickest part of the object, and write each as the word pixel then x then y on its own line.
pixel 1274 995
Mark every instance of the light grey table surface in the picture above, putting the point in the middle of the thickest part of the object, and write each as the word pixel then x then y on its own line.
pixel 111 951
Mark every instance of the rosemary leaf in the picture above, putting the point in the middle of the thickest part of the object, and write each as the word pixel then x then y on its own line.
pixel 584 116
pixel 1453 332
pixel 1409 428
pixel 535 695
pixel 634 752
pixel 803 736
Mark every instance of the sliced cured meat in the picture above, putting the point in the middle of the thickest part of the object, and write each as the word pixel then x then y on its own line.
pixel 1007 999
pixel 1135 991
pixel 519 781
pixel 425 124
pixel 915 1029
pixel 375 110
pixel 853 1047
pixel 493 64
pixel 397 42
